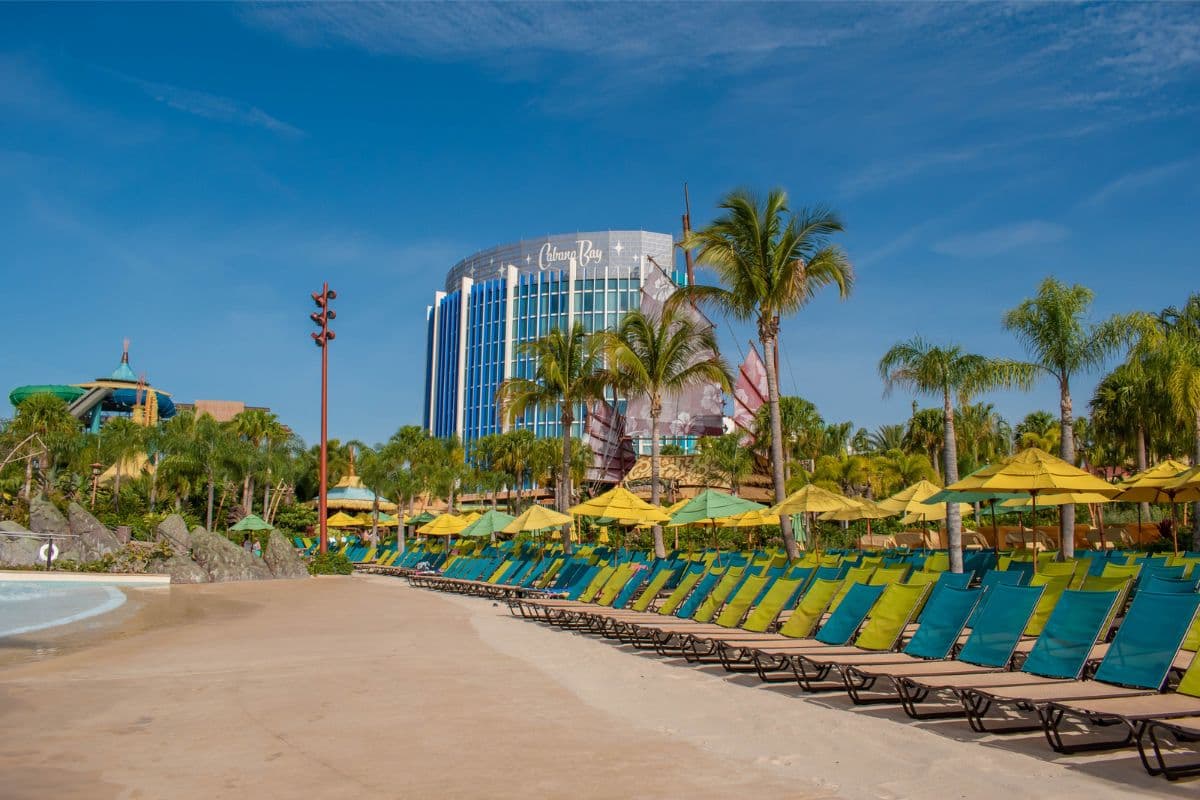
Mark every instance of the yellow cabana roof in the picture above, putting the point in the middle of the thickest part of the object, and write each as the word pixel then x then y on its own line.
pixel 342 520
pixel 131 467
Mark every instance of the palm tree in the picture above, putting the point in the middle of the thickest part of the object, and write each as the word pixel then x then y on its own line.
pixel 1039 429
pixel 770 263
pixel 514 450
pixel 661 357
pixel 926 432
pixel 569 373
pixel 948 372
pixel 43 424
pixel 1176 343
pixel 725 456
pixel 983 435
pixel 1054 329
pixel 121 439
pixel 886 438
pixel 897 469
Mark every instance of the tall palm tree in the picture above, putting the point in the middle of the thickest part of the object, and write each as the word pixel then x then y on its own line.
pixel 1176 346
pixel 569 372
pixel 514 449
pixel 886 438
pixel 661 357
pixel 1039 429
pixel 949 373
pixel 926 432
pixel 121 439
pixel 1054 328
pixel 42 423
pixel 770 263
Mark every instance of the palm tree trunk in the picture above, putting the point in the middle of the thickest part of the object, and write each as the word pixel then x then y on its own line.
pixel 953 513
pixel 1196 505
pixel 785 522
pixel 117 488
pixel 564 478
pixel 28 479
pixel 267 496
pixel 660 550
pixel 208 520
pixel 1066 528
pixel 1141 462
pixel 153 482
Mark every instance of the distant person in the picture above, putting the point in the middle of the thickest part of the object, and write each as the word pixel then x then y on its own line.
pixel 257 549
pixel 247 545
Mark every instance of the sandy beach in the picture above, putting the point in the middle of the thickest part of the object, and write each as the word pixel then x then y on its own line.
pixel 365 688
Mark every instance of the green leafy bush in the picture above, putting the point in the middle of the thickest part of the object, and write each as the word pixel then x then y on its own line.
pixel 330 563
pixel 296 518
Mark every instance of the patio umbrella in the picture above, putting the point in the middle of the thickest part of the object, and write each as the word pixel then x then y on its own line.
pixel 251 522
pixel 749 519
pixel 709 506
pixel 443 525
pixel 975 496
pixel 1034 472
pixel 387 520
pixel 421 519
pixel 860 508
pixel 914 503
pixel 1157 485
pixel 535 518
pixel 487 525
pixel 341 520
pixel 622 504
pixel 810 499
pixel 712 505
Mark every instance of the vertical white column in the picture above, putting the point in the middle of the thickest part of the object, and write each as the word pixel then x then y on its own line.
pixel 510 315
pixel 572 271
pixel 436 309
pixel 464 297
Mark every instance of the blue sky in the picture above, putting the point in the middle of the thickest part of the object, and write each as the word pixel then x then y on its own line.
pixel 184 175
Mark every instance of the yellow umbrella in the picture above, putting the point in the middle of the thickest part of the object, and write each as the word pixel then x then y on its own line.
pixel 811 499
pixel 1189 482
pixel 1036 473
pixel 444 525
pixel 1154 485
pixel 911 502
pixel 342 520
pixel 750 519
pixel 536 518
pixel 621 504
pixel 861 508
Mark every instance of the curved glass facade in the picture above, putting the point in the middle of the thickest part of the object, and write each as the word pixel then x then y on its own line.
pixel 506 295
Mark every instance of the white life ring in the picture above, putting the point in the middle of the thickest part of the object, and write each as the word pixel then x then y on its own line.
pixel 53 548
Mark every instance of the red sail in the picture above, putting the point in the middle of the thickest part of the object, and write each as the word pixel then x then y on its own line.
pixel 750 391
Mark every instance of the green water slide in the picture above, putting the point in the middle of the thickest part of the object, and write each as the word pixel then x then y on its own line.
pixel 62 391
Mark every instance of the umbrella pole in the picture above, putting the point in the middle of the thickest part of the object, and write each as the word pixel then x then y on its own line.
pixel 1175 524
pixel 995 529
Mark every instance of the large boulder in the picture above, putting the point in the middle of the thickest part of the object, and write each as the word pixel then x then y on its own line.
pixel 18 551
pixel 282 559
pixel 94 540
pixel 225 561
pixel 12 527
pixel 182 569
pixel 45 518
pixel 174 531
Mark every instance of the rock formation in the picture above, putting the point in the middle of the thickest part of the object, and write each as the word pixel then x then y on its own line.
pixel 94 540
pixel 174 531
pixel 282 559
pixel 17 551
pixel 45 518
pixel 225 561
pixel 182 569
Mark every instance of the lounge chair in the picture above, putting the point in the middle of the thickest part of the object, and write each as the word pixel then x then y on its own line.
pixel 735 649
pixel 989 649
pixel 1137 663
pixel 702 646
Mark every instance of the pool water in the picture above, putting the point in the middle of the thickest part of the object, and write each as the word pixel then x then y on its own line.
pixel 32 605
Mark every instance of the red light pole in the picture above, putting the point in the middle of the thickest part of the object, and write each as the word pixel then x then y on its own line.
pixel 321 320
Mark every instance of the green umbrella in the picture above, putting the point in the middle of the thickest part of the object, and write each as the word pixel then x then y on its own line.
pixel 252 522
pixel 421 519
pixel 712 505
pixel 487 525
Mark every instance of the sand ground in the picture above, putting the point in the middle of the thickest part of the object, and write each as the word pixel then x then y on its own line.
pixel 365 688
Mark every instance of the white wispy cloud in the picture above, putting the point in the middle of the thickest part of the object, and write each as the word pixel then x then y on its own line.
pixel 211 106
pixel 1001 239
pixel 1138 179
